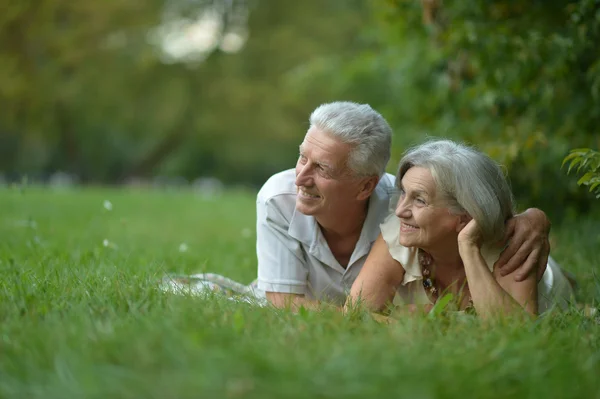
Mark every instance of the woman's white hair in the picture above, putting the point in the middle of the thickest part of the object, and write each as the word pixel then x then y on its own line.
pixel 469 181
pixel 360 126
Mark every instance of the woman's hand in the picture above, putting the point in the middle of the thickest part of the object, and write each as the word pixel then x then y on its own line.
pixel 470 235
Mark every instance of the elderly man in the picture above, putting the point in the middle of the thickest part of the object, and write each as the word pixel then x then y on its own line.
pixel 317 223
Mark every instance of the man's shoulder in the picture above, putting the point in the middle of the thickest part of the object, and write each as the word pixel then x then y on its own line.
pixel 386 186
pixel 280 184
pixel 277 197
pixel 387 181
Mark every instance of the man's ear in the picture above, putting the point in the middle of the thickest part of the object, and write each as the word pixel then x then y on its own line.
pixel 463 220
pixel 367 186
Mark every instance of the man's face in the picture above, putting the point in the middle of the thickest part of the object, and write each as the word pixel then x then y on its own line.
pixel 324 181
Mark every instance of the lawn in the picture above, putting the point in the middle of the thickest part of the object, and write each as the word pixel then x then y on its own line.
pixel 81 315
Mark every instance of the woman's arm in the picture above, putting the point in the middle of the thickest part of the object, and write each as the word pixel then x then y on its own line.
pixel 378 280
pixel 493 294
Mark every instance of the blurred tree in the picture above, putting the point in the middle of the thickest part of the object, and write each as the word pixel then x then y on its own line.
pixel 87 88
pixel 115 90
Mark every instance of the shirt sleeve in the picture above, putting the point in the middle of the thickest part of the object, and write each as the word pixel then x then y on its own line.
pixel 281 261
pixel 408 257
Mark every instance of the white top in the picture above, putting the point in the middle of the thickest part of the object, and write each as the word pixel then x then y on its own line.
pixel 553 288
pixel 293 255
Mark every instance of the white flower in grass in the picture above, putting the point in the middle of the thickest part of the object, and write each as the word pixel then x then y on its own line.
pixel 108 205
pixel 183 247
pixel 108 244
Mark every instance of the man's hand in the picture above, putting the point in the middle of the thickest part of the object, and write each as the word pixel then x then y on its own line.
pixel 528 246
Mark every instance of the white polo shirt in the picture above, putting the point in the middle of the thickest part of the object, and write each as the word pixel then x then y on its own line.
pixel 293 256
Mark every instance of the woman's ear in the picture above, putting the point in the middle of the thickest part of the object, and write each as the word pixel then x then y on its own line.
pixel 463 220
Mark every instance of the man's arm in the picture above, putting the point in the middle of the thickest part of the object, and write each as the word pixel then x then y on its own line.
pixel 281 270
pixel 528 246
pixel 493 295
pixel 291 301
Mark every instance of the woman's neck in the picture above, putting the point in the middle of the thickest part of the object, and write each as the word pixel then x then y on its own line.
pixel 446 263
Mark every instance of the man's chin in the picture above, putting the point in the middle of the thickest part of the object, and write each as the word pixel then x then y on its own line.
pixel 304 209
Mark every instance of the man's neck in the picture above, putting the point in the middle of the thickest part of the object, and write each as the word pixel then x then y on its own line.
pixel 343 232
pixel 348 223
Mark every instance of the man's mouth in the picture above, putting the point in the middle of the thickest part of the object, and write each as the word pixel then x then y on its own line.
pixel 305 193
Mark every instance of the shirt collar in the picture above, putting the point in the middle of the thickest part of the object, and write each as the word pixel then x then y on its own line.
pixel 379 208
pixel 302 227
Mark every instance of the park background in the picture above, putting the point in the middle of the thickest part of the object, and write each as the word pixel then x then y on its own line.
pixel 135 134
pixel 129 92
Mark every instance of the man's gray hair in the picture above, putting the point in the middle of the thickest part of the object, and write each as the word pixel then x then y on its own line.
pixel 360 126
pixel 468 181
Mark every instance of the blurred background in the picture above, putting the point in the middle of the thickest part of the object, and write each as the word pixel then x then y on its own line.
pixel 218 93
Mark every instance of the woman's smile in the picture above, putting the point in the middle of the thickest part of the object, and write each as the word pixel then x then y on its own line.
pixel 407 228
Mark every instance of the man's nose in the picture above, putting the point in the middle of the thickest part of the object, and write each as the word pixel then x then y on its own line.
pixel 303 175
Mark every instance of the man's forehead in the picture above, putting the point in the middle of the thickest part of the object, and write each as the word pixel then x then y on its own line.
pixel 330 147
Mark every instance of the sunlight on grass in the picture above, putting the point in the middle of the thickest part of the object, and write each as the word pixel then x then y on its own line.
pixel 82 314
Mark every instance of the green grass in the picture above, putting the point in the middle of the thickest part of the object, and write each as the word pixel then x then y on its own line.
pixel 82 320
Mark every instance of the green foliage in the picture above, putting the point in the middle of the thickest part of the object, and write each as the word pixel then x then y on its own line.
pixel 520 80
pixel 588 161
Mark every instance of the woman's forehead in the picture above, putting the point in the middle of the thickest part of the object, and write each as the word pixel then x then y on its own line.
pixel 418 178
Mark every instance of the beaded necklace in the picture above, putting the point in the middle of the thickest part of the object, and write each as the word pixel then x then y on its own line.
pixel 425 261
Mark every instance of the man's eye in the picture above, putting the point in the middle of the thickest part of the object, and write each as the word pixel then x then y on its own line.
pixel 420 201
pixel 302 158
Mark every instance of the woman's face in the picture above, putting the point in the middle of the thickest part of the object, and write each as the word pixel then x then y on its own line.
pixel 425 219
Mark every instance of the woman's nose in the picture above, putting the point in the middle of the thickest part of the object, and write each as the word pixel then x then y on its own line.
pixel 402 208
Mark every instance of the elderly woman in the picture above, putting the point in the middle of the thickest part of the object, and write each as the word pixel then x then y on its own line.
pixel 446 236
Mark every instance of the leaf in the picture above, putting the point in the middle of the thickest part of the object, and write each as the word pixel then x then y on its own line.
pixel 574 163
pixel 585 178
pixel 568 158
pixel 441 305
pixel 584 164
